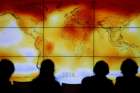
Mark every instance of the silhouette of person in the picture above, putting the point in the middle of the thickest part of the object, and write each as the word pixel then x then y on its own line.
pixel 6 70
pixel 98 83
pixel 45 82
pixel 129 82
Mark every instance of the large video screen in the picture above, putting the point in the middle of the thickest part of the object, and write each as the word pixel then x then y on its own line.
pixel 75 34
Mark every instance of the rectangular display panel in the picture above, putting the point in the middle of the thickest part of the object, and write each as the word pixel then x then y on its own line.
pixel 75 34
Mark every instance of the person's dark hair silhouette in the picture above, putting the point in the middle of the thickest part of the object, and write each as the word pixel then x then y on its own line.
pixel 99 82
pixel 129 68
pixel 6 70
pixel 129 82
pixel 47 69
pixel 45 82
pixel 101 69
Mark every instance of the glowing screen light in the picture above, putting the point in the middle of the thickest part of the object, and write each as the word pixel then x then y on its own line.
pixel 75 34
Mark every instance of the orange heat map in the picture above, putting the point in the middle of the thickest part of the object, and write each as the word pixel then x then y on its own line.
pixel 75 34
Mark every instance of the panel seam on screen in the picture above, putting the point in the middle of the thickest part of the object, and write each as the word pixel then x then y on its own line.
pixel 94 19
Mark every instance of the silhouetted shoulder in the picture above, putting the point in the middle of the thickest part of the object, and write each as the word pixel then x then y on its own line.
pixel 95 84
pixel 87 79
pixel 86 84
pixel 95 79
pixel 44 86
pixel 127 84
pixel 134 80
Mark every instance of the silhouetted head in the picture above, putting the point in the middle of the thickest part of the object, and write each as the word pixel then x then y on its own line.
pixel 101 68
pixel 47 67
pixel 6 69
pixel 129 67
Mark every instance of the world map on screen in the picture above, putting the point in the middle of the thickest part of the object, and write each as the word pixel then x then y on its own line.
pixel 74 34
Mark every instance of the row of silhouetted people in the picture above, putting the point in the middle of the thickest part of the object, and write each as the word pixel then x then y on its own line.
pixel 99 83
pixel 45 82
